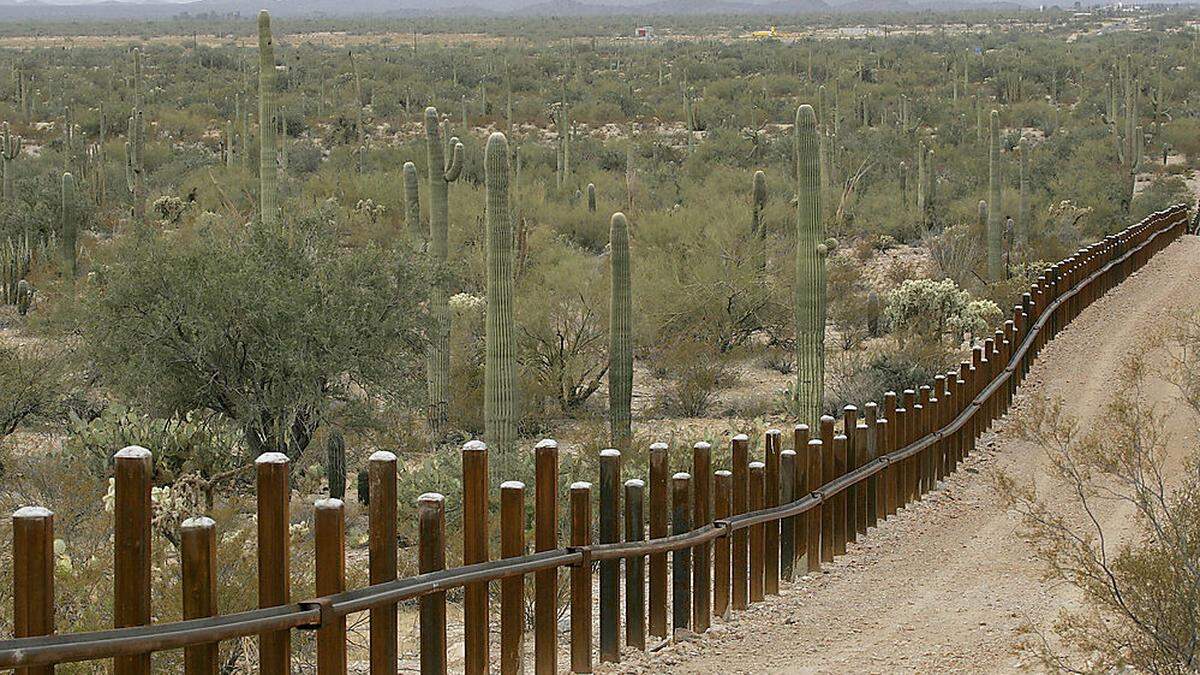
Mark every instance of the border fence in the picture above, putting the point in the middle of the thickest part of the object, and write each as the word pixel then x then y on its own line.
pixel 717 540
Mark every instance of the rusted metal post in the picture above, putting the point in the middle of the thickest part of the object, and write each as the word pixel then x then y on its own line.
pixel 787 530
pixel 33 577
pixel 758 548
pixel 659 505
pixel 512 589
pixel 681 559
pixel 900 434
pixel 875 491
pixel 635 568
pixel 850 495
pixel 701 554
pixel 198 549
pixel 581 579
pixel 545 602
pixel 800 489
pixel 475 550
pixel 883 431
pixel 431 557
pixel 274 563
pixel 381 515
pixel 912 418
pixel 610 570
pixel 329 531
pixel 131 549
pixel 740 539
pixel 773 444
pixel 828 473
pixel 722 508
pixel 938 451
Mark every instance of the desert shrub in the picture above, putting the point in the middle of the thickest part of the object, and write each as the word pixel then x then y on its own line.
pixel 694 372
pixel 32 386
pixel 269 326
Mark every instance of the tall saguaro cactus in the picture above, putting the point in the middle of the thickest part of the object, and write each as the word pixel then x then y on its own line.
pixel 758 228
pixel 1127 134
pixel 135 175
pixel 268 171
pixel 500 367
pixel 1023 224
pixel 10 150
pixel 70 226
pixel 995 227
pixel 811 250
pixel 412 202
pixel 620 335
pixel 441 174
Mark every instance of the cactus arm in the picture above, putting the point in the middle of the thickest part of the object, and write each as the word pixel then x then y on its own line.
pixel 454 168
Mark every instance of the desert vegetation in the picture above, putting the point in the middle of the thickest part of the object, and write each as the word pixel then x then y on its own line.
pixel 250 241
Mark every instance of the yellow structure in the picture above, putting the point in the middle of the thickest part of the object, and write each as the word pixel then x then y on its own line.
pixel 765 33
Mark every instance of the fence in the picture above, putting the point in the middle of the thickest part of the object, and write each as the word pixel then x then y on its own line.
pixel 731 535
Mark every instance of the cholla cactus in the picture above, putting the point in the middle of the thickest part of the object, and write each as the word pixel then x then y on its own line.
pixel 10 149
pixel 442 172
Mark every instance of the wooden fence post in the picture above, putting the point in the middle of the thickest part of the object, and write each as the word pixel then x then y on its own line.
pixel 681 559
pixel 740 575
pixel 722 508
pixel 581 579
pixel 329 531
pixel 133 469
pixel 828 473
pixel 800 489
pixel 702 553
pixel 198 550
pixel 33 577
pixel 381 544
pixel 512 589
pixel 545 628
pixel 274 561
pixel 659 500
pixel 758 547
pixel 840 456
pixel 610 570
pixel 431 557
pixel 851 494
pixel 772 446
pixel 787 530
pixel 635 568
pixel 475 550
pixel 815 534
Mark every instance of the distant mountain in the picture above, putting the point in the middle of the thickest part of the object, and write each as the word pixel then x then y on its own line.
pixel 89 10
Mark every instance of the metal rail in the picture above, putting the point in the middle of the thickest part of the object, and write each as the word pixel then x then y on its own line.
pixel 321 611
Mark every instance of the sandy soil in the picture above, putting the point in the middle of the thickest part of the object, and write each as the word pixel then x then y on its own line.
pixel 947 585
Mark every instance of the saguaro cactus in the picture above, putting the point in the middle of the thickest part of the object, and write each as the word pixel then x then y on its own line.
pixel 591 197
pixel 810 270
pixel 441 174
pixel 500 368
pixel 10 150
pixel 412 202
pixel 620 335
pixel 995 226
pixel 24 297
pixel 135 175
pixel 268 169
pixel 1127 135
pixel 1023 215
pixel 335 465
pixel 873 314
pixel 758 228
pixel 70 226
pixel 904 185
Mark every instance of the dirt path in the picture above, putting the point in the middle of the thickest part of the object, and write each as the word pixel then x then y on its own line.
pixel 948 584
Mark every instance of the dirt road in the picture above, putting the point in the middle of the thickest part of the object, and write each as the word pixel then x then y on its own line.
pixel 948 584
